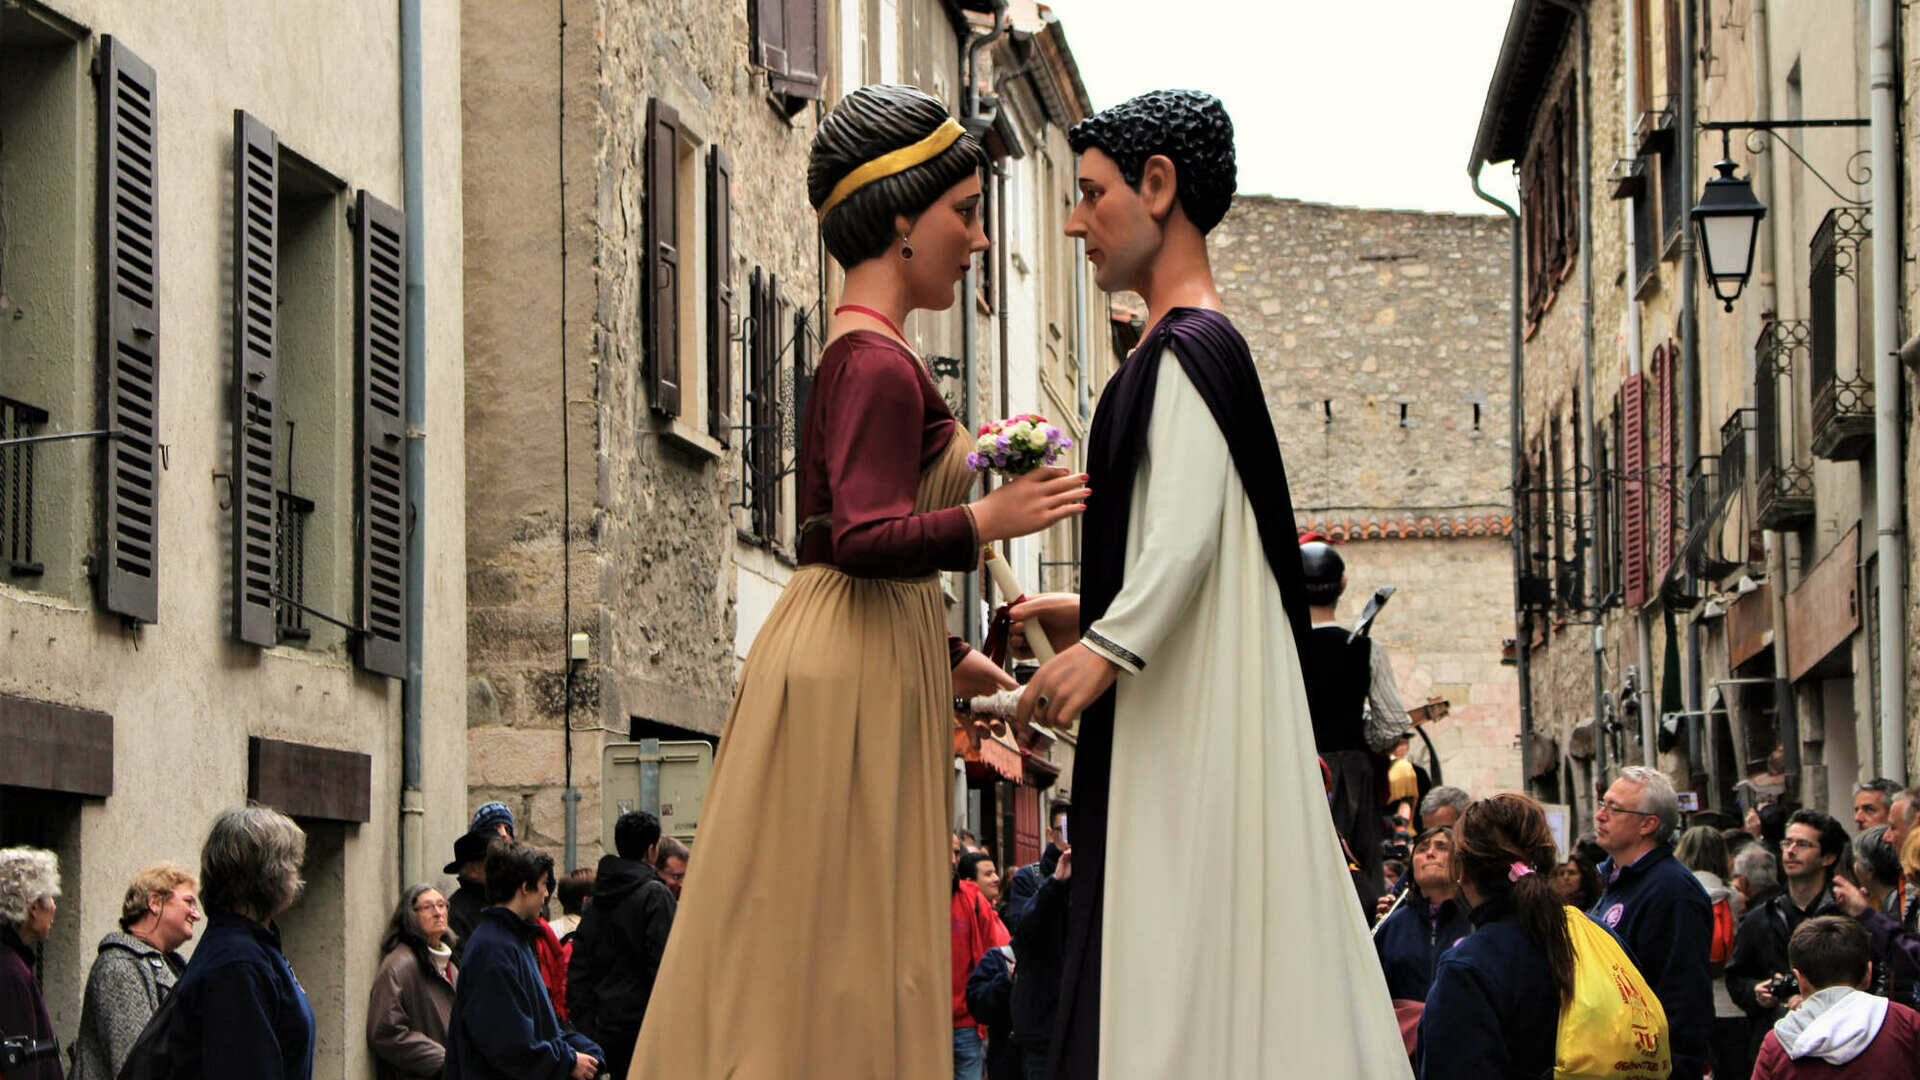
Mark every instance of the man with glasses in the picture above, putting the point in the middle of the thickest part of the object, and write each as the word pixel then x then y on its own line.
pixel 1657 909
pixel 1759 974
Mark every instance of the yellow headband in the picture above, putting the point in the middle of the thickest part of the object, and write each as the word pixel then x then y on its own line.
pixel 893 161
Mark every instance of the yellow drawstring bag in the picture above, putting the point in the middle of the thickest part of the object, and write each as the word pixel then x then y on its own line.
pixel 1614 1027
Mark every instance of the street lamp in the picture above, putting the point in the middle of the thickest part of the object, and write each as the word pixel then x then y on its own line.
pixel 1728 217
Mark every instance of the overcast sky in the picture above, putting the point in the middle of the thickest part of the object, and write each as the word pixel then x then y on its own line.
pixel 1366 103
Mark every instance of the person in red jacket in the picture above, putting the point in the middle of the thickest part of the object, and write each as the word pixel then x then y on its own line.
pixel 976 884
pixel 1838 1029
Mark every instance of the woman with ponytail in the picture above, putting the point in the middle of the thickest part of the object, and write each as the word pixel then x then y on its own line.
pixel 1496 997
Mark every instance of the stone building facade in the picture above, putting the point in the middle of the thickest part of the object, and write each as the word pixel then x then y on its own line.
pixel 625 552
pixel 203 249
pixel 1701 581
pixel 1380 339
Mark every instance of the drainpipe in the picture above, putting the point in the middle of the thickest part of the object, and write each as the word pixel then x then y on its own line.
pixel 413 867
pixel 1883 88
pixel 1516 427
pixel 969 291
pixel 1764 286
pixel 1584 417
pixel 1701 742
pixel 1642 622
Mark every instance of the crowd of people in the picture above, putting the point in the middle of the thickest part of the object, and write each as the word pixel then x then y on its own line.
pixel 1787 947
pixel 479 984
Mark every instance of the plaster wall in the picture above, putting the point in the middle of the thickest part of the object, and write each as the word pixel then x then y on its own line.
pixel 185 696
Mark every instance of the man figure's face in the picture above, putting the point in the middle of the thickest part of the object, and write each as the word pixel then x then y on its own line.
pixel 1122 236
pixel 531 898
pixel 1869 809
pixel 1618 824
pixel 1433 866
pixel 1800 857
pixel 1057 831
pixel 1443 817
pixel 988 878
pixel 674 873
pixel 475 871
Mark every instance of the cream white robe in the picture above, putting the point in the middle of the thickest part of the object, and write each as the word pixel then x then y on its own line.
pixel 1234 946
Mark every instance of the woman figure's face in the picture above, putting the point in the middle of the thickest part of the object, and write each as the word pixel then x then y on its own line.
pixel 431 909
pixel 1566 882
pixel 39 921
pixel 944 239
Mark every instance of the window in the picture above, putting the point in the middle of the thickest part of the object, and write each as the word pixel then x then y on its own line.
pixel 1633 498
pixel 787 36
pixel 1673 199
pixel 777 372
pixel 689 307
pixel 47 498
pixel 1549 196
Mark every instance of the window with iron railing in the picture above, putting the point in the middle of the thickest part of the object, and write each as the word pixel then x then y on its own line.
pixel 1784 485
pixel 1842 387
pixel 18 420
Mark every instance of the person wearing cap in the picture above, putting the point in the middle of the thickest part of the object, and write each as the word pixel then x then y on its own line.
pixel 469 865
pixel 493 817
pixel 1352 674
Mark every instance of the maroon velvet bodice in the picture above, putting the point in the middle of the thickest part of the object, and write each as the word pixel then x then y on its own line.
pixel 874 424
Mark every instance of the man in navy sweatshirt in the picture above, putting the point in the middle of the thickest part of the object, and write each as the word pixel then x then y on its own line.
pixel 503 1025
pixel 1657 908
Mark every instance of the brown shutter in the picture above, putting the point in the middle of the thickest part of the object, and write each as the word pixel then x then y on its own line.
pixel 1665 475
pixel 801 79
pixel 256 203
pixel 662 277
pixel 130 332
pixel 770 34
pixel 380 274
pixel 1633 498
pixel 720 302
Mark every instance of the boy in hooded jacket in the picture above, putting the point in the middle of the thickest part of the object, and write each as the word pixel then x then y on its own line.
pixel 1839 1029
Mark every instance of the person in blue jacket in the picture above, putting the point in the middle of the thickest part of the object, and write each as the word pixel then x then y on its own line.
pixel 1657 908
pixel 238 1009
pixel 1427 923
pixel 504 1027
pixel 1494 1006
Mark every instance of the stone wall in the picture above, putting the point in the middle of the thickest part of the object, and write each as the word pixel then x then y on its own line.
pixel 1394 325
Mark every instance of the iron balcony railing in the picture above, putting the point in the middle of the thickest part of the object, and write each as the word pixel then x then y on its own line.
pixel 1842 405
pixel 290 564
pixel 18 420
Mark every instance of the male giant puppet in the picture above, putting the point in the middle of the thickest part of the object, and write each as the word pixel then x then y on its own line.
pixel 1212 929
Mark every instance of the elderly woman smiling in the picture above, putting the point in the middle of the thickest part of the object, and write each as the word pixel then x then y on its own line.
pixel 29 884
pixel 245 1013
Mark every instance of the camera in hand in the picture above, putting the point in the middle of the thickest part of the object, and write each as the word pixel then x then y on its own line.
pixel 1782 987
pixel 18 1050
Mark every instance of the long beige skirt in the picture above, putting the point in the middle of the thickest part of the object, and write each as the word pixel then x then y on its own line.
pixel 811 939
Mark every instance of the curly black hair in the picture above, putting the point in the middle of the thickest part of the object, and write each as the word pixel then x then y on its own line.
pixel 867 123
pixel 1190 127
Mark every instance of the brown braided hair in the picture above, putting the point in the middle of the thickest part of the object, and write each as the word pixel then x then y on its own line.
pixel 1497 832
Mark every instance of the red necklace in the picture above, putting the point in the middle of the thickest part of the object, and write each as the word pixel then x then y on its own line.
pixel 869 312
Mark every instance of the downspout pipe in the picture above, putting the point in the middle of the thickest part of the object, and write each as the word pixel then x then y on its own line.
pixel 1642 622
pixel 1766 295
pixel 1883 90
pixel 1516 427
pixel 1702 742
pixel 413 867
pixel 1584 416
pixel 969 293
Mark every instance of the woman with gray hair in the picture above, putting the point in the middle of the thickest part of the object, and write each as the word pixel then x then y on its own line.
pixel 29 884
pixel 412 997
pixel 1876 868
pixel 239 1011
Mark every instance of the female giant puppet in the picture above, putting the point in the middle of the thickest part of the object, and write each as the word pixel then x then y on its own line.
pixel 812 938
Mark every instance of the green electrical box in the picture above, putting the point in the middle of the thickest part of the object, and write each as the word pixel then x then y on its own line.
pixel 668 779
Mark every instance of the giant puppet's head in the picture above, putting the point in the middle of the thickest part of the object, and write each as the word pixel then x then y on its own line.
pixel 893 176
pixel 1172 152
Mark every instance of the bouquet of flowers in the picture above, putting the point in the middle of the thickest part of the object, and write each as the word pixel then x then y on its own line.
pixel 1017 445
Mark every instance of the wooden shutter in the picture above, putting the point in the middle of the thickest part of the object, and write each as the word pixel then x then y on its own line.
pixel 1666 475
pixel 1633 498
pixel 720 301
pixel 130 332
pixel 770 35
pixel 256 204
pixel 801 79
pixel 662 278
pixel 380 275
